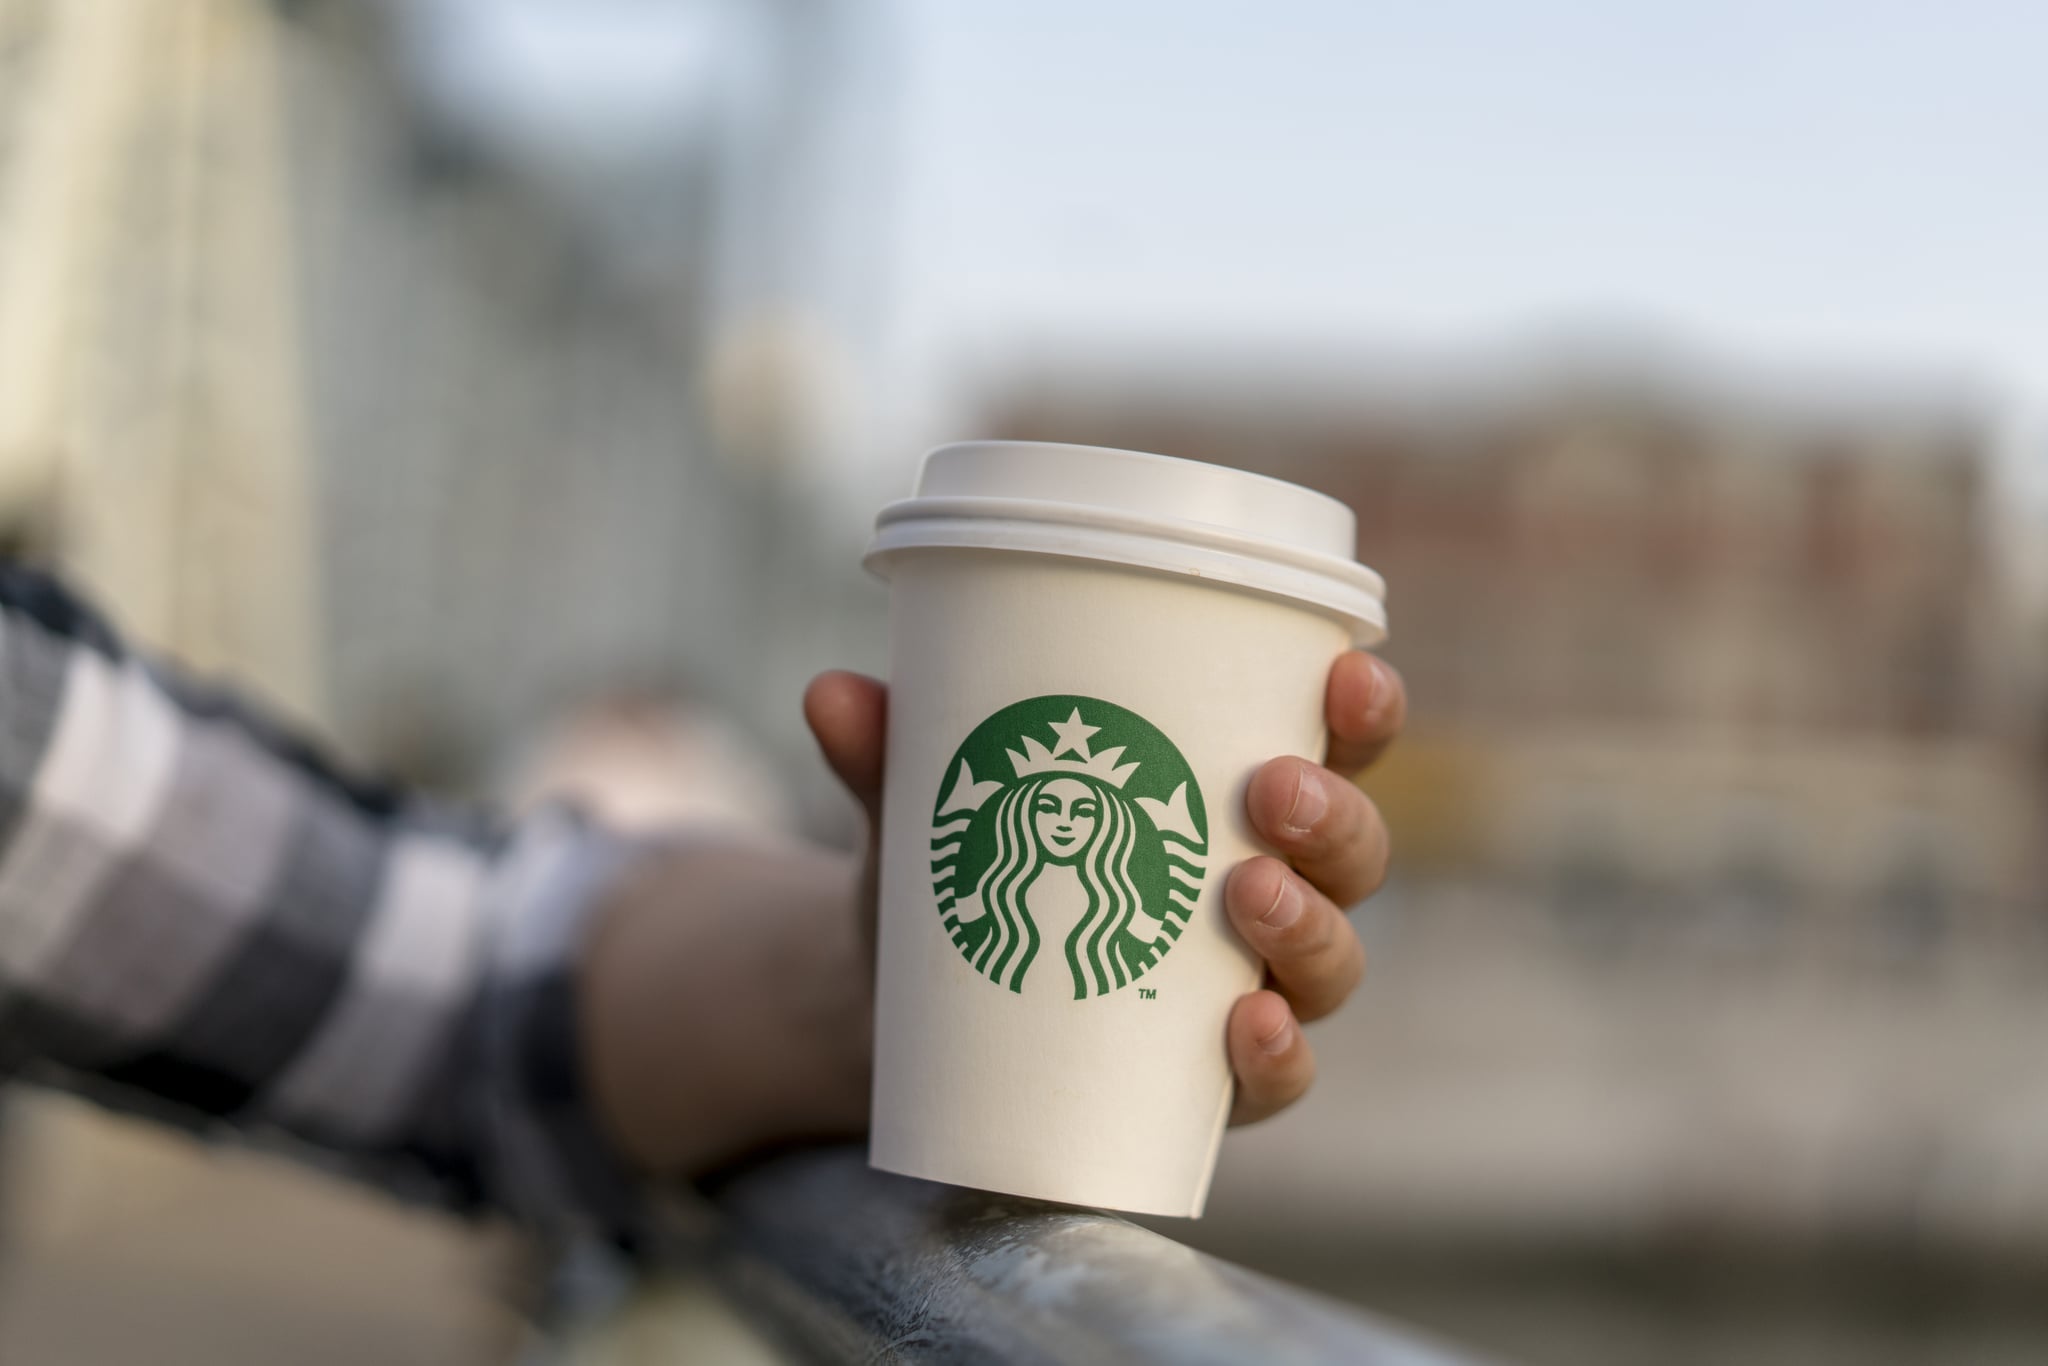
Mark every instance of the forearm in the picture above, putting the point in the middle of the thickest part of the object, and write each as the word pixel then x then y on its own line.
pixel 201 917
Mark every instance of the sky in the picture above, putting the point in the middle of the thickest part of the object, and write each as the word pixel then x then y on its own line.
pixel 1797 186
pixel 1799 189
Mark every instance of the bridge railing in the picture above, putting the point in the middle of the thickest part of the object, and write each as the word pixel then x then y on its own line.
pixel 831 1261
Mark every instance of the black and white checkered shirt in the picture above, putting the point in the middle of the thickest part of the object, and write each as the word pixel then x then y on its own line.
pixel 201 918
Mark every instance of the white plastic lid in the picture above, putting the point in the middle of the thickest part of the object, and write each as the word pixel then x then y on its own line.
pixel 1148 511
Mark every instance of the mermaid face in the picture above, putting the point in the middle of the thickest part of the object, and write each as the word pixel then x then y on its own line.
pixel 1063 815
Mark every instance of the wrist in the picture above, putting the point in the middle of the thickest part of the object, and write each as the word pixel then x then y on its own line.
pixel 726 1003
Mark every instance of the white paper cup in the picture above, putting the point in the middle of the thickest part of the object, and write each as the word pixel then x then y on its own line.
pixel 1091 653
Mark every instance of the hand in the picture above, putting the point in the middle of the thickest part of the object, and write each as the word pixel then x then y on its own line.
pixel 726 990
pixel 1289 909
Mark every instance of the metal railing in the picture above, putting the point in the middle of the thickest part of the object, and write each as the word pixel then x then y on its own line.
pixel 832 1261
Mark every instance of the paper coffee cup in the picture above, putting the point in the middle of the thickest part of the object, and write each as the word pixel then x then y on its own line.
pixel 1091 651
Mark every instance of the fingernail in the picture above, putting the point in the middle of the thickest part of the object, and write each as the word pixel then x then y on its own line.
pixel 1376 701
pixel 1286 907
pixel 1378 687
pixel 1279 1039
pixel 1309 804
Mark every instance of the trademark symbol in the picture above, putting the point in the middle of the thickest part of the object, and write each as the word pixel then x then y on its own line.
pixel 1148 993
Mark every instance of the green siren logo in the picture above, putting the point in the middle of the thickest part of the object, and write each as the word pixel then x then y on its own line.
pixel 1069 825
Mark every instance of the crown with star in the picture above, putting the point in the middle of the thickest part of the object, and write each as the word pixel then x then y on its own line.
pixel 1072 735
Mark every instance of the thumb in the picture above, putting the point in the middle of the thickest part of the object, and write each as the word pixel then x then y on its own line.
pixel 849 715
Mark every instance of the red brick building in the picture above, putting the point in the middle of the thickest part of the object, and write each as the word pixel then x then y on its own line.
pixel 1686 633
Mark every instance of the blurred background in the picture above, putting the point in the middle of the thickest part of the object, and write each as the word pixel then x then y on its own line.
pixel 506 387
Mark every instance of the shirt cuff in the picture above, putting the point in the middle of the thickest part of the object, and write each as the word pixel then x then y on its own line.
pixel 547 1158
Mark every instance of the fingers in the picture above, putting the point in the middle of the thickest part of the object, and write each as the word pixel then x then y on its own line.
pixel 1292 917
pixel 1272 1060
pixel 1329 830
pixel 849 713
pixel 1365 706
pixel 1309 946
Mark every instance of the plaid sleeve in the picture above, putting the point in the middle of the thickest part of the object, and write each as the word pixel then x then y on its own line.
pixel 202 919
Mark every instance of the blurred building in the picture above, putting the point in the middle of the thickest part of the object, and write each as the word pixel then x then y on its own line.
pixel 1702 1017
pixel 1674 647
pixel 429 365
pixel 571 355
pixel 151 419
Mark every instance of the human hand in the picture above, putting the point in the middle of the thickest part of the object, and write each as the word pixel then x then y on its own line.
pixel 727 988
pixel 1290 909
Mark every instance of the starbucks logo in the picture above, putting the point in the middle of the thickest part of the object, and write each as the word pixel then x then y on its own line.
pixel 1068 846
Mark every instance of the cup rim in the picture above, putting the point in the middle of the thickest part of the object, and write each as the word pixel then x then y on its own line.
pixel 1344 589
